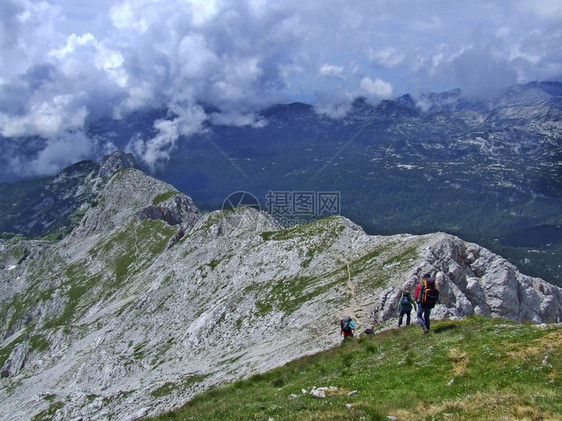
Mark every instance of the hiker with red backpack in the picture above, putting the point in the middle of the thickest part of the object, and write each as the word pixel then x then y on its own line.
pixel 426 296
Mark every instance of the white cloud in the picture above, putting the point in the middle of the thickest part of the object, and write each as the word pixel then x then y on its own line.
pixel 331 70
pixel 195 57
pixel 238 119
pixel 377 88
pixel 127 16
pixel 47 118
pixel 26 35
pixel 387 57
pixel 65 148
pixel 334 105
pixel 72 43
pixel 73 62
pixel 332 109
pixel 156 151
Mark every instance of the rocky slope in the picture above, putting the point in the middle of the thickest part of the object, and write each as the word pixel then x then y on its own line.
pixel 149 302
pixel 53 206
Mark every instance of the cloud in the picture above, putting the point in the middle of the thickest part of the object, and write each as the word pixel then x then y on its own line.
pixel 55 155
pixel 47 118
pixel 72 63
pixel 332 71
pixel 377 88
pixel 334 105
pixel 26 35
pixel 155 151
pixel 387 57
pixel 337 103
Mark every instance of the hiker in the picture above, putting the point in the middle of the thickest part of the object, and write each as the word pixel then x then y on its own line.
pixel 405 307
pixel 426 296
pixel 347 327
pixel 370 330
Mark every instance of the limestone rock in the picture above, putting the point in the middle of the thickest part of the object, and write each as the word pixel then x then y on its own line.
pixel 476 281
pixel 177 210
pixel 115 162
pixel 319 394
pixel 16 360
pixel 125 194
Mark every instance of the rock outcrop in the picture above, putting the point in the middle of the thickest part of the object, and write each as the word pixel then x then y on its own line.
pixel 53 206
pixel 115 162
pixel 474 281
pixel 16 360
pixel 178 210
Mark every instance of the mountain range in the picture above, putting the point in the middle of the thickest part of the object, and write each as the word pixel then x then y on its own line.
pixel 145 301
pixel 488 170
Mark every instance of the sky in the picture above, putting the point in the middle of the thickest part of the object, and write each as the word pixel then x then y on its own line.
pixel 67 63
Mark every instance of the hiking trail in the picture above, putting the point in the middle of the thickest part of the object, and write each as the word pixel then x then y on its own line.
pixel 353 310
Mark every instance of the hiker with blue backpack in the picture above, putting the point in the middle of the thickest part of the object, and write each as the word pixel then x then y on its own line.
pixel 347 327
pixel 426 296
pixel 405 306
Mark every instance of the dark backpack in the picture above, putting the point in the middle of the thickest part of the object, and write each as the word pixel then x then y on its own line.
pixel 406 302
pixel 430 294
pixel 345 324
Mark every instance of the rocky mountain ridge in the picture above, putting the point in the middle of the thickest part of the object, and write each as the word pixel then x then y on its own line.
pixel 487 170
pixel 54 205
pixel 149 301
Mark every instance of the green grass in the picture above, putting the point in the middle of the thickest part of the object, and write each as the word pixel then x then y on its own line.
pixel 164 196
pixel 477 369
pixel 50 412
pixel 306 231
pixel 287 295
pixel 39 343
pixel 169 387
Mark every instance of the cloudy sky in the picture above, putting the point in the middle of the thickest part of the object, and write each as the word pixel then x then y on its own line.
pixel 66 63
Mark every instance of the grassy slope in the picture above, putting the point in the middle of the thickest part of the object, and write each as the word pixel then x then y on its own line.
pixel 499 369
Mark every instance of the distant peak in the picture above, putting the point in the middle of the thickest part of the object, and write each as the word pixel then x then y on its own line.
pixel 116 161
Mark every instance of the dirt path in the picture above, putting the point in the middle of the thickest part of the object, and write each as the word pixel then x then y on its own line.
pixel 354 310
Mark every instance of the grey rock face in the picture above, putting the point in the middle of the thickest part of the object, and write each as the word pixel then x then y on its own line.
pixel 129 192
pixel 476 281
pixel 15 361
pixel 115 162
pixel 175 211
pixel 113 322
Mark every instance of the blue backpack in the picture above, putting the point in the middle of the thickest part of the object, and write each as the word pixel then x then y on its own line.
pixel 347 324
pixel 406 302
